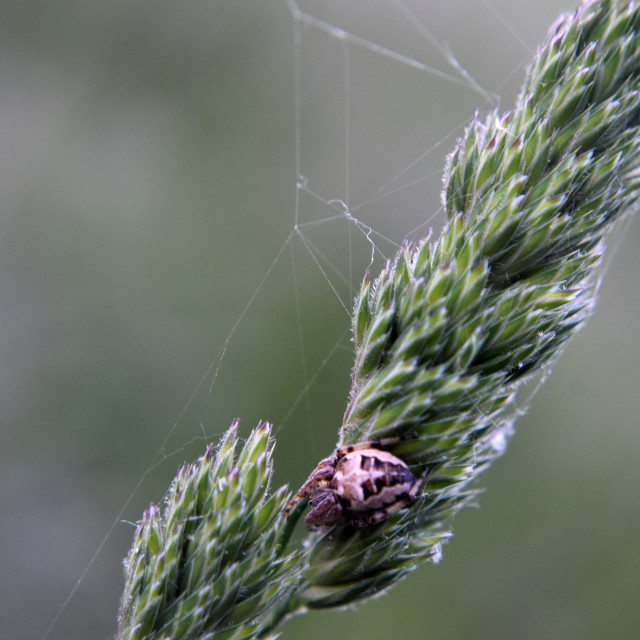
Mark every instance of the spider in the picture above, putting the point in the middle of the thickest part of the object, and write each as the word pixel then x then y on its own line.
pixel 360 485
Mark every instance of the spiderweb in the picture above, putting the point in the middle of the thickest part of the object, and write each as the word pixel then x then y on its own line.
pixel 377 94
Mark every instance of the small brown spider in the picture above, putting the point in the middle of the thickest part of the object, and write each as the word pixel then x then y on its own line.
pixel 360 485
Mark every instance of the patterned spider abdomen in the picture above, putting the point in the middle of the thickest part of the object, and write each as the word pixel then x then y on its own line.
pixel 371 480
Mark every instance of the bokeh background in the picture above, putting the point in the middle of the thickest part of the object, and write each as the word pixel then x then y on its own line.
pixel 147 196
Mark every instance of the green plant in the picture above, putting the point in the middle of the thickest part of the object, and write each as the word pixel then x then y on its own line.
pixel 444 337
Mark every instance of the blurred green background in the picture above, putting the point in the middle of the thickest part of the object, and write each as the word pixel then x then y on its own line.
pixel 148 172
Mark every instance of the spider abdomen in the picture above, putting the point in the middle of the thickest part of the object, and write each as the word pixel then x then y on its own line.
pixel 371 479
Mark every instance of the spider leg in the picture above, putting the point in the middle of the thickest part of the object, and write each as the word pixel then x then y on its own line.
pixel 326 511
pixel 322 473
pixel 417 484
pixel 371 517
pixel 383 444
